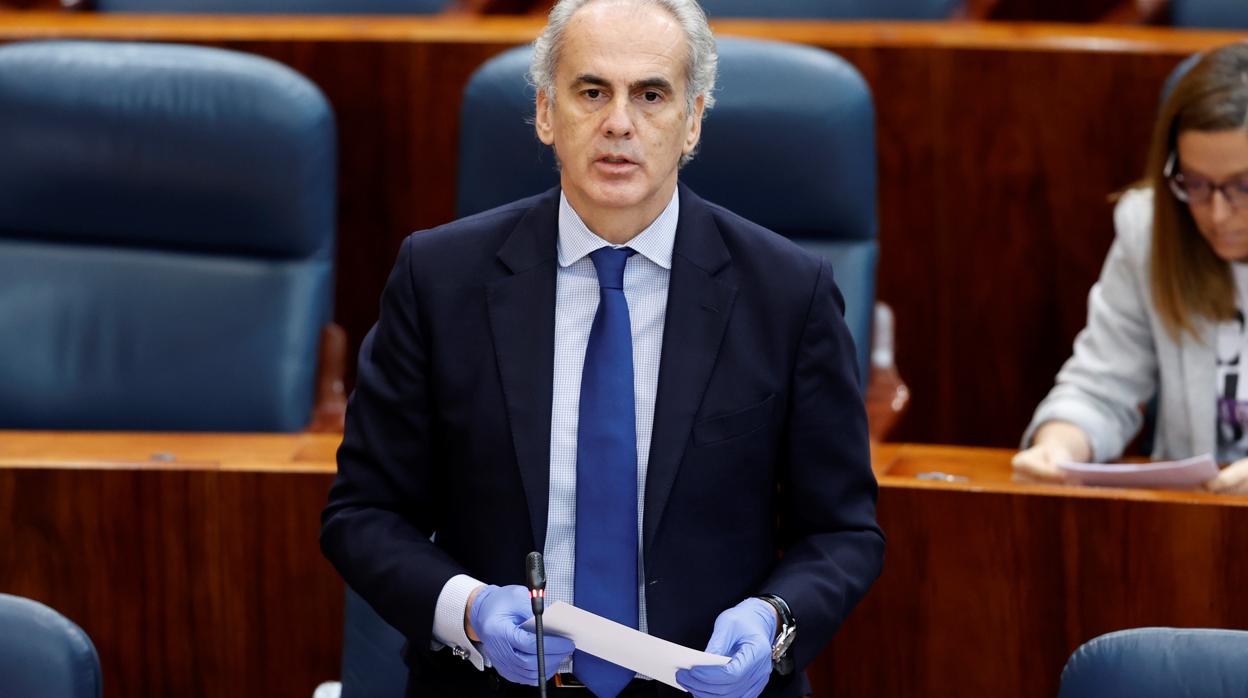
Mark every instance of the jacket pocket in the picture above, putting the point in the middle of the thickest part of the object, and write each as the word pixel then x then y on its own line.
pixel 733 424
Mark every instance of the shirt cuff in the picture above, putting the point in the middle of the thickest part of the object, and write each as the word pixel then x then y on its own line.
pixel 448 618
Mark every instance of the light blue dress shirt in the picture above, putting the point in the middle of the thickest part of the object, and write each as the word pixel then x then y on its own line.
pixel 647 277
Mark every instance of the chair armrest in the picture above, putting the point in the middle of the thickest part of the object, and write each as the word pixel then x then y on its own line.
pixel 887 395
pixel 330 409
pixel 1155 12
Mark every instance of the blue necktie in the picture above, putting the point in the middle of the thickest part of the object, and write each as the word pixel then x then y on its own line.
pixel 606 473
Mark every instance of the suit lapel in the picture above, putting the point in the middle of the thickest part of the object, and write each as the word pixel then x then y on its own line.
pixel 698 306
pixel 522 319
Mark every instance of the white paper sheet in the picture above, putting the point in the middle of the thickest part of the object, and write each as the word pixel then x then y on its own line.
pixel 1180 474
pixel 632 649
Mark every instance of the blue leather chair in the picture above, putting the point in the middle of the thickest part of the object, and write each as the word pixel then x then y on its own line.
pixel 833 9
pixel 1177 74
pixel 43 654
pixel 166 238
pixel 285 7
pixel 1210 14
pixel 790 145
pixel 1159 663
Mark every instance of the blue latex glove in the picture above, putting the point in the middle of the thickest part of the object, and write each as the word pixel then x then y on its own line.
pixel 743 633
pixel 497 614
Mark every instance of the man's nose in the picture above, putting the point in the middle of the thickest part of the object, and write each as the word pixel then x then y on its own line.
pixel 618 122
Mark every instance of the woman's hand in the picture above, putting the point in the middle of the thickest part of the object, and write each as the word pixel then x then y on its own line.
pixel 1054 442
pixel 1232 480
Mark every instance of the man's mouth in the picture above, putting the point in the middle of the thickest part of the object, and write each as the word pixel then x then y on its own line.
pixel 616 160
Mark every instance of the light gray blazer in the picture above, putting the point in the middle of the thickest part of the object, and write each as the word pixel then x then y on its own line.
pixel 1124 355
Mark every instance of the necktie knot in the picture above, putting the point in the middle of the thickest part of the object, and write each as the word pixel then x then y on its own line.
pixel 609 263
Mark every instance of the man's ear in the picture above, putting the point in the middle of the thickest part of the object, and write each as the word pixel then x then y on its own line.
pixel 694 133
pixel 541 119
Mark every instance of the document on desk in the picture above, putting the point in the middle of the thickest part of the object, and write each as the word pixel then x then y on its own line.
pixel 1176 474
pixel 632 649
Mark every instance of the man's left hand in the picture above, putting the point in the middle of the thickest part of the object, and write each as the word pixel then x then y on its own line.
pixel 744 634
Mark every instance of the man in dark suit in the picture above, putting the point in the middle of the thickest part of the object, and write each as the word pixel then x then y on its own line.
pixel 657 393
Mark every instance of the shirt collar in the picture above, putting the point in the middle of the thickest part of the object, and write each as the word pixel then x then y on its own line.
pixel 655 243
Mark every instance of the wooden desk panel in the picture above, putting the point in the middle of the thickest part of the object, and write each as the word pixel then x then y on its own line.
pixel 205 578
pixel 198 578
pixel 998 144
pixel 45 5
pixel 989 585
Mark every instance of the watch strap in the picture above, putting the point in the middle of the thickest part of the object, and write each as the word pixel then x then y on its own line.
pixel 781 659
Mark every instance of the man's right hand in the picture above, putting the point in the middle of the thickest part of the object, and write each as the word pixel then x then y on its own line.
pixel 495 615
pixel 1055 442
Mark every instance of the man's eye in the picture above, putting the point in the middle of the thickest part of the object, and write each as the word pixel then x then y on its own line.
pixel 593 93
pixel 651 96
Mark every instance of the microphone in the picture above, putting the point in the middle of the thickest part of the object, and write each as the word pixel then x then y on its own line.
pixel 535 575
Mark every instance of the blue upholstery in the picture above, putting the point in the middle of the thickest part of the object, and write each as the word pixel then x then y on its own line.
pixel 790 145
pixel 833 9
pixel 1212 14
pixel 290 7
pixel 1183 68
pixel 43 654
pixel 372 665
pixel 1159 663
pixel 166 238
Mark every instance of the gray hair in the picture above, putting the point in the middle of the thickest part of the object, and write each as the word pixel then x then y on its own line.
pixel 700 68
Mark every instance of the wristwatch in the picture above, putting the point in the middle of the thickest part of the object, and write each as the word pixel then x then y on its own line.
pixel 781 660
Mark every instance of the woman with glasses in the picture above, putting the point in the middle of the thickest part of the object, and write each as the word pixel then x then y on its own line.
pixel 1166 318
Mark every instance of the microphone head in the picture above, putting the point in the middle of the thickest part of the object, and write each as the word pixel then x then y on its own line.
pixel 535 571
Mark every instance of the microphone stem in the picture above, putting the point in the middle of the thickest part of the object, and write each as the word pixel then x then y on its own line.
pixel 541 656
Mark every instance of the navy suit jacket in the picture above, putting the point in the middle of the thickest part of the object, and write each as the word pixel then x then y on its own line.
pixel 759 478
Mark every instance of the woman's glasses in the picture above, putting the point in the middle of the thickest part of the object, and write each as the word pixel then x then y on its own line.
pixel 1197 191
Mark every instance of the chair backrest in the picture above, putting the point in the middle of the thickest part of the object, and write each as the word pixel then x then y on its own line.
pixel 1159 663
pixel 1211 14
pixel 833 9
pixel 789 145
pixel 166 238
pixel 372 665
pixel 1183 68
pixel 43 654
pixel 290 7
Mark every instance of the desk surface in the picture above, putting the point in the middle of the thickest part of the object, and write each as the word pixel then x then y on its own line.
pixel 895 465
pixel 314 453
pixel 988 470
pixel 520 29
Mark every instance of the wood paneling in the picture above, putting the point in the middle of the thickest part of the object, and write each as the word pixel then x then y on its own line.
pixel 1136 11
pixel 988 585
pixel 204 578
pixel 998 144
pixel 29 5
pixel 201 577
